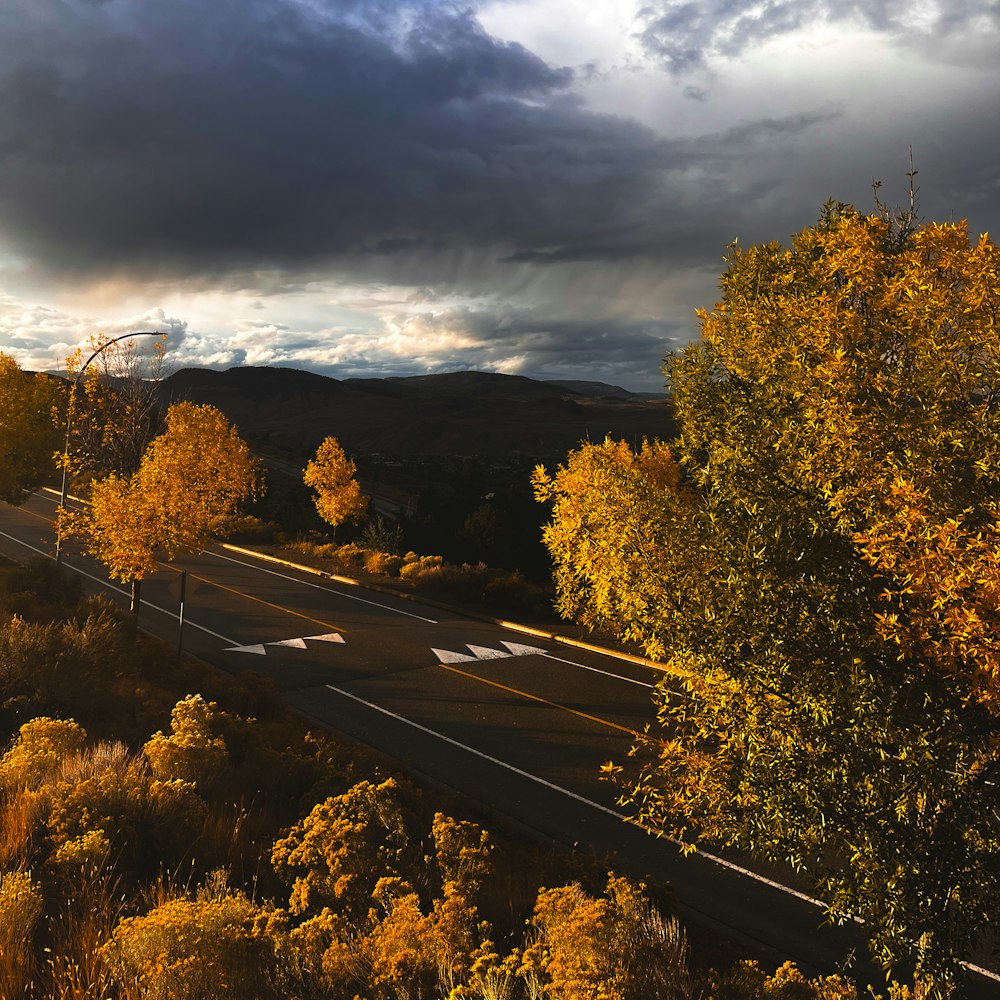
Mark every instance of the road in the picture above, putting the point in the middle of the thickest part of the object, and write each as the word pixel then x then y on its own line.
pixel 518 725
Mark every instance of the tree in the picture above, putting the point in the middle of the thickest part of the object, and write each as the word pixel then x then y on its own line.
pixel 815 560
pixel 28 434
pixel 116 411
pixel 331 474
pixel 195 473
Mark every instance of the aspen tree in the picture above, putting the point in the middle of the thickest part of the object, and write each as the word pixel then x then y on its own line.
pixel 816 562
pixel 195 473
pixel 337 493
pixel 28 435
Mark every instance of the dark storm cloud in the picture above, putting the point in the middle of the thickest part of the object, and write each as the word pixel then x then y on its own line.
pixel 264 130
pixel 686 34
pixel 182 138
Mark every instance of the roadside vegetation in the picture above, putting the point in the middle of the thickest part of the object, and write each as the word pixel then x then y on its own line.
pixel 813 559
pixel 816 561
pixel 479 585
pixel 169 831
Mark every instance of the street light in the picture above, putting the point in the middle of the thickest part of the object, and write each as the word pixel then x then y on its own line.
pixel 69 424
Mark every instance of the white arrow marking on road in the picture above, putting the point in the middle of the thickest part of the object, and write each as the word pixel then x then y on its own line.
pixel 518 649
pixel 486 653
pixel 446 656
pixel 329 637
pixel 258 649
pixel 294 643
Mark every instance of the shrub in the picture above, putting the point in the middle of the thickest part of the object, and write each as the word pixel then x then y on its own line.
pixel 39 751
pixel 192 752
pixel 512 590
pixel 197 950
pixel 336 855
pixel 462 850
pixel 384 563
pixel 146 822
pixel 40 585
pixel 609 948
pixel 351 554
pixel 244 527
pixel 20 907
pixel 46 667
pixel 748 981
pixel 381 535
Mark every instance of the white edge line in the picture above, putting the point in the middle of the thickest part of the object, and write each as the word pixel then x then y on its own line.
pixel 978 969
pixel 986 973
pixel 316 586
pixel 122 590
pixel 573 795
pixel 596 670
pixel 722 862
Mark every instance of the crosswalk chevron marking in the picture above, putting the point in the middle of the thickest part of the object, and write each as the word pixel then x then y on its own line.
pixel 446 656
pixel 519 649
pixel 487 652
pixel 258 648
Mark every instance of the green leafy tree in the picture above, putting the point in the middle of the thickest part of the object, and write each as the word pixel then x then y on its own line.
pixel 815 561
pixel 29 437
pixel 337 493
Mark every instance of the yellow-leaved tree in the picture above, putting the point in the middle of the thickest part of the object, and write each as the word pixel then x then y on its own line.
pixel 196 472
pixel 816 561
pixel 28 434
pixel 337 493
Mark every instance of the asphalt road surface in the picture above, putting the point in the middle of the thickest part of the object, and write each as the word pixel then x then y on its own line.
pixel 517 724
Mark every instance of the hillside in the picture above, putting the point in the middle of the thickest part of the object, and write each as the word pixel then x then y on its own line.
pixel 458 414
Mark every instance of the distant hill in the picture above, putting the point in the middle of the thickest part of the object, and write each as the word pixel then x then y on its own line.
pixel 455 414
pixel 602 389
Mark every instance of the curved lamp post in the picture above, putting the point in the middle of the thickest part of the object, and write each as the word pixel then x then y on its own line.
pixel 69 423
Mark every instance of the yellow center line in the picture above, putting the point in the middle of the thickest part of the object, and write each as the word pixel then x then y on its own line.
pixel 31 513
pixel 543 701
pixel 222 586
pixel 260 600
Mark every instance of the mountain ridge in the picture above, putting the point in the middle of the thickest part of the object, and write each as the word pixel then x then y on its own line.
pixel 457 413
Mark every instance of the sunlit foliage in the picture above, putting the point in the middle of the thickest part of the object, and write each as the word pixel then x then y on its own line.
pixel 613 947
pixel 198 471
pixel 337 493
pixel 816 561
pixel 336 855
pixel 21 906
pixel 38 752
pixel 194 949
pixel 192 752
pixel 29 438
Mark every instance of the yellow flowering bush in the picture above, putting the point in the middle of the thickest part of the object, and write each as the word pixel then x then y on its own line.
pixel 38 752
pixel 197 950
pixel 193 751
pixel 20 907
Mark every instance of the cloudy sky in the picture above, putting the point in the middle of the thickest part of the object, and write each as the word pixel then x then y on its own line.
pixel 392 187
